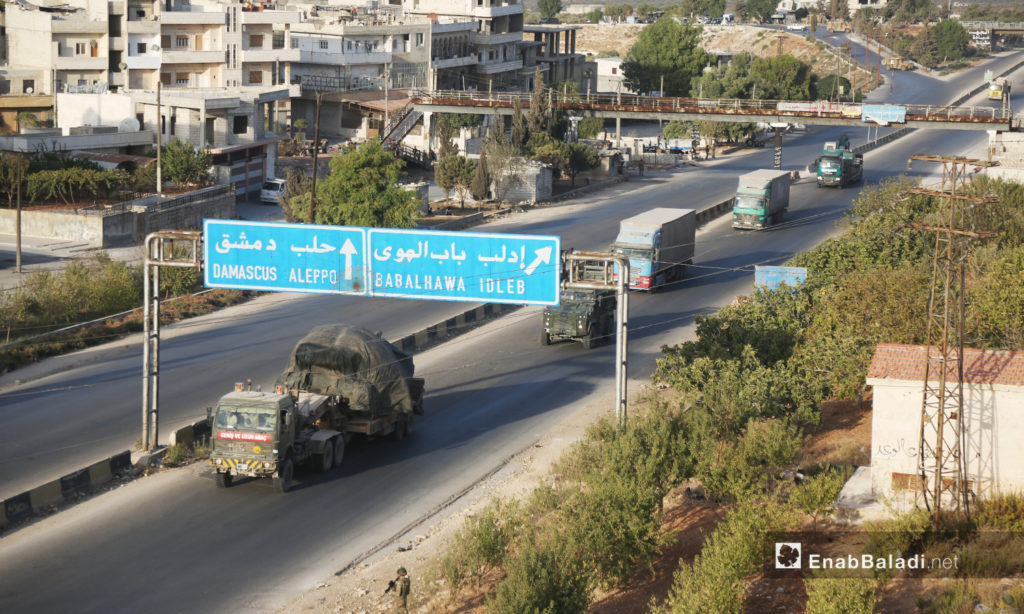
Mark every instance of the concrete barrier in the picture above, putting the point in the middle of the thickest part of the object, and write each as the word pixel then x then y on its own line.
pixel 83 481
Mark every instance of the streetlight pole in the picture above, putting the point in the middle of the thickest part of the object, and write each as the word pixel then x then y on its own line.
pixel 316 149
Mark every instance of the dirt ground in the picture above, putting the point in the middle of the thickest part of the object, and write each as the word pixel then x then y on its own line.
pixel 594 39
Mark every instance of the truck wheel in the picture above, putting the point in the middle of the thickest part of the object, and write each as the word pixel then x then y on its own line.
pixel 399 433
pixel 324 461
pixel 223 480
pixel 283 481
pixel 588 339
pixel 339 450
pixel 545 338
pixel 408 425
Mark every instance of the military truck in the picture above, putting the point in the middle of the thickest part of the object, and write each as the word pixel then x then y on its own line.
pixel 838 166
pixel 761 198
pixel 587 316
pixel 340 381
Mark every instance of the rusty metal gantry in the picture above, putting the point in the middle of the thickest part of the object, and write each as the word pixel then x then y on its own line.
pixel 941 451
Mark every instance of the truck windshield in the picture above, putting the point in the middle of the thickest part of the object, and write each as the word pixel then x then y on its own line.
pixel 633 254
pixel 749 202
pixel 828 164
pixel 245 418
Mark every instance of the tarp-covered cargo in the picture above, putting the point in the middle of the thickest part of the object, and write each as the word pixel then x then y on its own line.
pixel 355 364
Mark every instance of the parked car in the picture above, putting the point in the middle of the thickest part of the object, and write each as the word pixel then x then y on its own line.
pixel 272 191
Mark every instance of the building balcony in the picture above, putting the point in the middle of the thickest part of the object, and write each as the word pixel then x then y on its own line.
pixel 143 26
pixel 344 59
pixel 496 67
pixel 455 26
pixel 490 12
pixel 269 17
pixel 271 55
pixel 117 43
pixel 212 18
pixel 81 62
pixel 480 38
pixel 188 56
pixel 145 61
pixel 79 26
pixel 454 62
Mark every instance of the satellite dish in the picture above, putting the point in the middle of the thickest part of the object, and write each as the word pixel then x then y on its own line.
pixel 154 47
pixel 122 66
pixel 128 124
pixel 29 90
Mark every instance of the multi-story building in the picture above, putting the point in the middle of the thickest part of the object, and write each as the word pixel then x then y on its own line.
pixel 557 55
pixel 497 38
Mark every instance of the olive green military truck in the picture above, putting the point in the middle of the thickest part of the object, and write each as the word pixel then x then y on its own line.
pixel 341 381
pixel 587 316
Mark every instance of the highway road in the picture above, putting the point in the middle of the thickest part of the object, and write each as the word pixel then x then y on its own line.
pixel 174 543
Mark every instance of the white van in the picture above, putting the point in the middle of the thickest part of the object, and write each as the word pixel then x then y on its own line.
pixel 272 191
pixel 796 27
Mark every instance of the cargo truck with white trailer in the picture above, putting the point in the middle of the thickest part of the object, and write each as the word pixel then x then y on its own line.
pixel 659 244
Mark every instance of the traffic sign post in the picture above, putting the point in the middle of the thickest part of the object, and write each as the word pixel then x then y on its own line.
pixel 285 257
pixel 464 266
pixel 418 264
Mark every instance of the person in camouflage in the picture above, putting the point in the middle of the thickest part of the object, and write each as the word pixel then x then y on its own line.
pixel 402 586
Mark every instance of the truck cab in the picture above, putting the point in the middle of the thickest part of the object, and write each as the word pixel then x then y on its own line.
pixel 587 316
pixel 259 434
pixel 838 166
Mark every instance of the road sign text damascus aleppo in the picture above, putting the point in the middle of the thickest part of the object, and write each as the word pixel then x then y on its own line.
pixel 423 264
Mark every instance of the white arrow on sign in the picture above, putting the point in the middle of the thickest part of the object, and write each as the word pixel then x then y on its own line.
pixel 543 255
pixel 348 250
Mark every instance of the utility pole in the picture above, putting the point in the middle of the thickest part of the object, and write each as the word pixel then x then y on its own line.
pixel 159 141
pixel 942 446
pixel 17 222
pixel 387 77
pixel 316 150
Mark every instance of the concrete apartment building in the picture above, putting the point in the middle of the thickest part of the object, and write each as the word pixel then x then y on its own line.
pixel 556 54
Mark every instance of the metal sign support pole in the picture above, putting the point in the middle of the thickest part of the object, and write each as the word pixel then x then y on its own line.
pixel 160 251
pixel 607 272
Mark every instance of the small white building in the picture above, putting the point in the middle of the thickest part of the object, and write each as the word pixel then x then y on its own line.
pixel 993 395
pixel 610 77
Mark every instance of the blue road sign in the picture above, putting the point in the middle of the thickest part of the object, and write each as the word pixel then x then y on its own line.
pixel 464 266
pixel 284 257
pixel 423 264
pixel 883 113
pixel 771 277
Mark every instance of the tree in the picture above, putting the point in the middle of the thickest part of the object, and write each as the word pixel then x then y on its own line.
pixel 296 183
pixel 581 157
pixel 12 174
pixel 184 164
pixel 446 174
pixel 504 162
pixel 464 173
pixel 761 9
pixel 644 10
pixel 518 135
pixel 594 16
pixel 665 49
pixel 446 130
pixel 950 39
pixel 481 184
pixel 549 8
pixel 536 115
pixel 783 78
pixel 590 127
pixel 362 190
pixel 828 88
pixel 554 153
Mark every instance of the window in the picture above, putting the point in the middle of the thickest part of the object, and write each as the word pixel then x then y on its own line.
pixel 140 48
pixel 615 71
pixel 255 77
pixel 419 39
pixel 28 86
pixel 277 39
pixel 323 44
pixel 165 78
pixel 295 43
pixel 165 41
pixel 255 40
pixel 79 48
pixel 240 124
pixel 181 78
pixel 181 42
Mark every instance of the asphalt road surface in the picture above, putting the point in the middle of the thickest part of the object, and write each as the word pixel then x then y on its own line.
pixel 175 543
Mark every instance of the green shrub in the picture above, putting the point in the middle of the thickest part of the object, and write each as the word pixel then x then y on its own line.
pixel 960 599
pixel 741 543
pixel 1001 512
pixel 176 455
pixel 840 595
pixel 817 495
pixel 542 578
